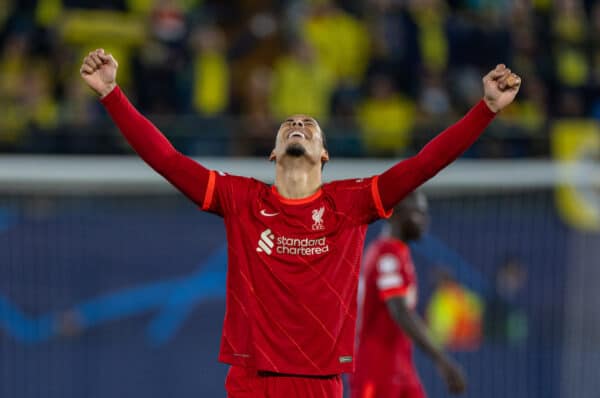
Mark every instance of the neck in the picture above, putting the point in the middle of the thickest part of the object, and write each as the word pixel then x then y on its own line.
pixel 295 179
pixel 398 233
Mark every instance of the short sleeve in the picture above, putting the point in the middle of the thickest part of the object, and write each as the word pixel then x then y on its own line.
pixel 226 193
pixel 359 199
pixel 391 275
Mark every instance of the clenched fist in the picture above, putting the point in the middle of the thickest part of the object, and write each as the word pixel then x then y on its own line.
pixel 500 87
pixel 99 70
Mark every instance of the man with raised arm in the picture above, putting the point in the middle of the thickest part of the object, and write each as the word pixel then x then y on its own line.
pixel 294 248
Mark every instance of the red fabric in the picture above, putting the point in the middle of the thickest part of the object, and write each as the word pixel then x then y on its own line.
pixel 248 383
pixel 405 176
pixel 390 269
pixel 384 354
pixel 184 173
pixel 387 389
pixel 397 292
pixel 210 189
pixel 377 198
pixel 293 274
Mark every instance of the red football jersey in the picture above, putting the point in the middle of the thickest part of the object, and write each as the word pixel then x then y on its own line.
pixel 384 350
pixel 293 271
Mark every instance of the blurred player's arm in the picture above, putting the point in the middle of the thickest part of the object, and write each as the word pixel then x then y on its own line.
pixel 500 88
pixel 412 324
pixel 99 71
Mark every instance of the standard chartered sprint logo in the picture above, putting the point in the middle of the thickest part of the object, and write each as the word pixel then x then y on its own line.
pixel 269 243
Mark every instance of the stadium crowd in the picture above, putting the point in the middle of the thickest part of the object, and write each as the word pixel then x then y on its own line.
pixel 382 76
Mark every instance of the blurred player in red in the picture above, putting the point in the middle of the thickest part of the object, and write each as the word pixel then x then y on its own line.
pixel 294 247
pixel 389 323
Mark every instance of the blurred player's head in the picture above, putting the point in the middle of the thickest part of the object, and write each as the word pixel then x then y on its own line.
pixel 300 136
pixel 411 217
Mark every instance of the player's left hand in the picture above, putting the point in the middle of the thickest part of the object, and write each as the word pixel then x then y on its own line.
pixel 454 376
pixel 500 87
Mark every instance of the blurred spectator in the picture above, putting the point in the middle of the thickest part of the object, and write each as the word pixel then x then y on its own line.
pixel 594 47
pixel 48 12
pixel 26 93
pixel 454 314
pixel 569 27
pixel 211 71
pixel 301 84
pixel 145 7
pixel 255 133
pixel 570 104
pixel 80 116
pixel 529 56
pixel 395 45
pixel 430 18
pixel 160 62
pixel 254 42
pixel 386 118
pixel 529 114
pixel 505 319
pixel 433 98
pixel 38 98
pixel 477 35
pixel 6 9
pixel 464 86
pixel 13 61
pixel 341 40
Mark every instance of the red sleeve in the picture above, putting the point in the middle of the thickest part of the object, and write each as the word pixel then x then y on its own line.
pixel 391 275
pixel 407 175
pixel 153 147
pixel 358 199
pixel 227 194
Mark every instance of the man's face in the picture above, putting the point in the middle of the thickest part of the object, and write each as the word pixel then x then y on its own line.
pixel 300 136
pixel 413 216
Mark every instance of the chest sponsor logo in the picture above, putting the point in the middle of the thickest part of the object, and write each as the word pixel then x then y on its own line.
pixel 265 243
pixel 268 243
pixel 317 216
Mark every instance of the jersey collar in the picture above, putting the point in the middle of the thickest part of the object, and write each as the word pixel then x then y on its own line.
pixel 300 201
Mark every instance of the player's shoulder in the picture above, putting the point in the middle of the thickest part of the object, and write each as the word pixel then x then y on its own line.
pixel 239 180
pixel 390 255
pixel 393 246
pixel 348 184
pixel 377 248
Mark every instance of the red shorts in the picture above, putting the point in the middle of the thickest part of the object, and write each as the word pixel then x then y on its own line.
pixel 250 383
pixel 388 389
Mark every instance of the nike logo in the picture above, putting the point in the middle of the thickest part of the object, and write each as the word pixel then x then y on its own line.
pixel 264 213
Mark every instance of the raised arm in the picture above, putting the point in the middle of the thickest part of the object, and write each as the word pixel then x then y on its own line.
pixel 99 70
pixel 412 324
pixel 500 88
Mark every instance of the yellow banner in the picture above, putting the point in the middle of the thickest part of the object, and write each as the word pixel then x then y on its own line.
pixel 576 145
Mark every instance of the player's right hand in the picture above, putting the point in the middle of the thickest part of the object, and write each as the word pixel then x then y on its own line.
pixel 99 70
pixel 454 376
pixel 500 87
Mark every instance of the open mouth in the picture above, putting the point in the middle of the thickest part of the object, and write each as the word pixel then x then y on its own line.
pixel 297 134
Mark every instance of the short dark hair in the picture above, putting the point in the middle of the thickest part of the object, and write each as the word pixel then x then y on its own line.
pixel 324 140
